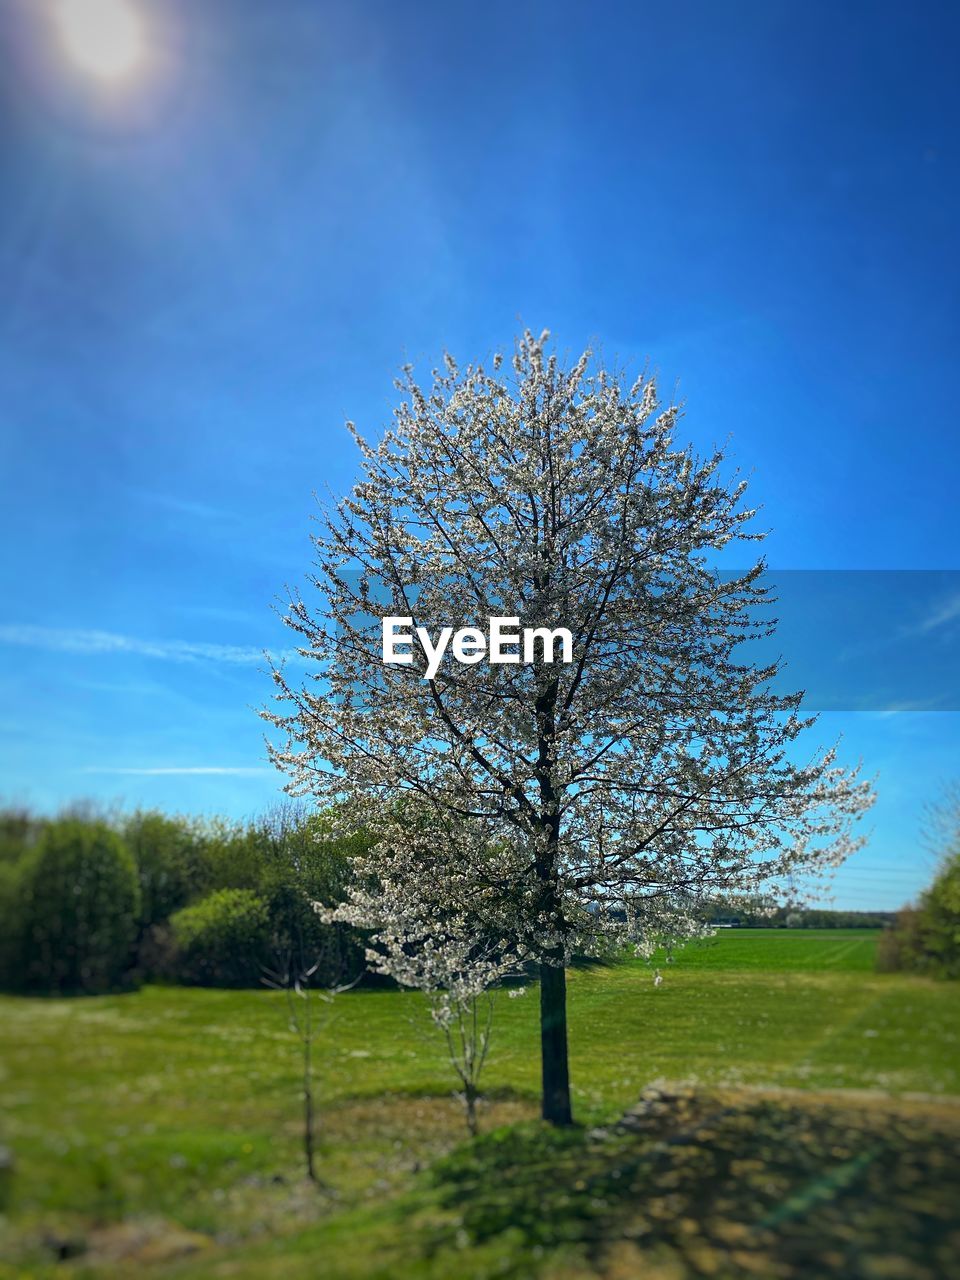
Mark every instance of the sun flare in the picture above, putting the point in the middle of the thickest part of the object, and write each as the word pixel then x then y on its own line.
pixel 104 38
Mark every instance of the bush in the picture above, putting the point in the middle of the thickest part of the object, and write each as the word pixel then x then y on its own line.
pixel 76 900
pixel 926 938
pixel 299 939
pixel 19 831
pixel 172 862
pixel 223 941
pixel 301 864
pixel 891 943
pixel 940 930
pixel 9 924
pixel 286 860
pixel 157 954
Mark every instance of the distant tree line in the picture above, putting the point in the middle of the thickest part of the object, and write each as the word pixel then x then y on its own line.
pixel 92 903
pixel 764 913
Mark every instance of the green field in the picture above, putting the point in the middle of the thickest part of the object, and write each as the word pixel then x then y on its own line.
pixel 157 1133
pixel 794 950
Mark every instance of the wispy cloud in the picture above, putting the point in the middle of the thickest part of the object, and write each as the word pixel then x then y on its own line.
pixel 109 642
pixel 183 506
pixel 909 706
pixel 177 771
pixel 947 610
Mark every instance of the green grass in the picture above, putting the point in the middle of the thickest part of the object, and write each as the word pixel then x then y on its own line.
pixel 785 950
pixel 150 1125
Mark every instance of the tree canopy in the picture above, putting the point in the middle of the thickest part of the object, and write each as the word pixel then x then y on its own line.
pixel 562 806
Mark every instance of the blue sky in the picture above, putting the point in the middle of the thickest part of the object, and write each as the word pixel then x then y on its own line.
pixel 206 270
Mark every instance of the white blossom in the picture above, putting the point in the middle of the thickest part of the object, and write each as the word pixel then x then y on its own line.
pixel 559 808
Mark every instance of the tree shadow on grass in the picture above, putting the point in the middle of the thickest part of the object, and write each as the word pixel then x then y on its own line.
pixel 723 1187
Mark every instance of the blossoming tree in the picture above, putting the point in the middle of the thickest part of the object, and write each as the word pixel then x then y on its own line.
pixel 453 961
pixel 572 806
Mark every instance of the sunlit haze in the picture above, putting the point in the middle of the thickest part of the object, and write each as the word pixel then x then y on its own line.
pixel 104 38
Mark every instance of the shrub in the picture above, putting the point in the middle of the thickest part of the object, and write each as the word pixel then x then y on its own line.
pixel 299 939
pixel 891 945
pixel 9 924
pixel 286 859
pixel 926 938
pixel 222 941
pixel 19 831
pixel 172 863
pixel 300 864
pixel 157 954
pixel 941 923
pixel 76 902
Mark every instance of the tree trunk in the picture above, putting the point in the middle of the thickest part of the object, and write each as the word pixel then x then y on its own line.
pixel 553 1045
pixel 308 1113
pixel 470 1102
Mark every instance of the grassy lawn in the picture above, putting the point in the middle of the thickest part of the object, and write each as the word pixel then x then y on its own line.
pixel 158 1132
pixel 789 950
